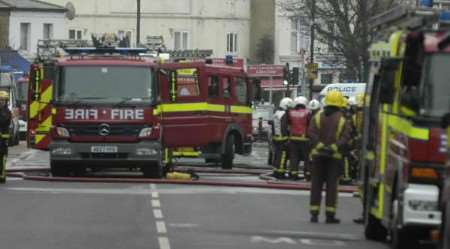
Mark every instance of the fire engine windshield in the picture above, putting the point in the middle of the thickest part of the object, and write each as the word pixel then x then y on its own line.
pixel 105 84
pixel 436 87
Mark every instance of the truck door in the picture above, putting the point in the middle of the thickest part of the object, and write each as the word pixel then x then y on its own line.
pixel 39 106
pixel 183 111
pixel 240 109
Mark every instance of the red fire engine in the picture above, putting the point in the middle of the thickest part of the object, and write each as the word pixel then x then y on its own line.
pixel 408 93
pixel 109 107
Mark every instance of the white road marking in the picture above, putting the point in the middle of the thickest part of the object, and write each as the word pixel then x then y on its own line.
pixel 8 179
pixel 155 195
pixel 152 186
pixel 164 243
pixel 156 203
pixel 322 243
pixel 161 227
pixel 183 225
pixel 279 240
pixel 157 213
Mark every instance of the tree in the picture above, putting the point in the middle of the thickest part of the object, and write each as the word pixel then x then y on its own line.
pixel 265 50
pixel 343 25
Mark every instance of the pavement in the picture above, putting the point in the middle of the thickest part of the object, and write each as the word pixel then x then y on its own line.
pixel 47 215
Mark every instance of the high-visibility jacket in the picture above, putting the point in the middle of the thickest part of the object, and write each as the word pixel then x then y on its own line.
pixel 279 127
pixel 331 130
pixel 298 120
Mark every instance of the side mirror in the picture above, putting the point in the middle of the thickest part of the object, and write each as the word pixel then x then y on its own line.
pixel 386 79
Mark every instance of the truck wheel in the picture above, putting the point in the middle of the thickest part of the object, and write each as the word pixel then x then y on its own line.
pixel 58 169
pixel 228 156
pixel 373 230
pixel 154 171
pixel 445 231
pixel 402 237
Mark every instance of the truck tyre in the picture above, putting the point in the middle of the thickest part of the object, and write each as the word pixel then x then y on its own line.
pixel 445 231
pixel 154 171
pixel 58 169
pixel 402 237
pixel 228 156
pixel 373 230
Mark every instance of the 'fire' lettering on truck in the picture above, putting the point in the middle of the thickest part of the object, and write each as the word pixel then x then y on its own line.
pixel 126 114
pixel 81 114
pixel 112 114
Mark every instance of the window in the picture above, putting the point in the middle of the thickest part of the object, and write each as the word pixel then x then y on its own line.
pixel 187 83
pixel 232 42
pixel 226 88
pixel 213 86
pixel 181 40
pixel 331 40
pixel 294 36
pixel 326 78
pixel 241 90
pixel 48 31
pixel 75 34
pixel 25 36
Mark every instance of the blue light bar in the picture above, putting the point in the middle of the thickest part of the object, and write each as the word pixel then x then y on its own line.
pixel 107 50
pixel 445 16
pixel 426 3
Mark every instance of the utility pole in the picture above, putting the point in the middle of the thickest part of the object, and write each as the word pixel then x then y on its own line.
pixel 138 23
pixel 312 38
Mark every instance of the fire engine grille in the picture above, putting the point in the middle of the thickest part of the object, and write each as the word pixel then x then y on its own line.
pixel 111 130
pixel 104 156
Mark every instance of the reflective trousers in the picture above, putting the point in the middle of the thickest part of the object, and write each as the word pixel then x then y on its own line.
pixel 279 156
pixel 298 151
pixel 324 170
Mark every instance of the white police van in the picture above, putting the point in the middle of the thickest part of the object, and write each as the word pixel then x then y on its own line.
pixel 347 89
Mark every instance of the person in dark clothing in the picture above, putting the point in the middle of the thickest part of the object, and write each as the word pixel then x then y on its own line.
pixel 329 132
pixel 5 121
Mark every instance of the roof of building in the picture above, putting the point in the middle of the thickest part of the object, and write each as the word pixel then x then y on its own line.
pixel 30 5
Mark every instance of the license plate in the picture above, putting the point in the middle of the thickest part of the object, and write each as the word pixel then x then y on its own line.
pixel 104 149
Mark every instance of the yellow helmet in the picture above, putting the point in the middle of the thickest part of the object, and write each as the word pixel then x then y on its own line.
pixel 335 98
pixel 4 95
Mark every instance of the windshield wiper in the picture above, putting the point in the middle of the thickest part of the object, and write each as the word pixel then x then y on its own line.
pixel 126 100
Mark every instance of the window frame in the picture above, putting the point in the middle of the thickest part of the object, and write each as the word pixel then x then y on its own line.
pixel 217 87
pixel 25 42
pixel 47 31
pixel 184 42
pixel 235 88
pixel 232 45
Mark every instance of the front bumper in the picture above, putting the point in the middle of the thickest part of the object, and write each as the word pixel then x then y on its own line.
pixel 421 205
pixel 135 154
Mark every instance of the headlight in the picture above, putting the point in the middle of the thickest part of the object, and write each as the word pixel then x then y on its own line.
pixel 145 132
pixel 62 132
pixel 62 151
pixel 419 205
pixel 146 152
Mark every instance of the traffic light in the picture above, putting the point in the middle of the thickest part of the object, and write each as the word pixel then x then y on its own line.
pixel 294 76
pixel 286 74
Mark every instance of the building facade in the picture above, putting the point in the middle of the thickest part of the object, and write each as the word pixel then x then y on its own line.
pixel 220 25
pixel 23 23
pixel 292 45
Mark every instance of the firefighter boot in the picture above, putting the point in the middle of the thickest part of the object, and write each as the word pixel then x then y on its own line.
pixel 331 219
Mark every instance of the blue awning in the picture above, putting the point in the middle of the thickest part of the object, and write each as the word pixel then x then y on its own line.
pixel 13 60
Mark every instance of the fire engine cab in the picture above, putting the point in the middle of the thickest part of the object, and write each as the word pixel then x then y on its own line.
pixel 407 94
pixel 113 107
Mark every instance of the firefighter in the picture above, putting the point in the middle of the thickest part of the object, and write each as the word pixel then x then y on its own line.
pixel 298 120
pixel 280 138
pixel 5 120
pixel 328 131
pixel 348 111
pixel 314 106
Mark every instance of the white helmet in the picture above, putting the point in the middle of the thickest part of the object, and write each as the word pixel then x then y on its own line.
pixel 314 105
pixel 301 100
pixel 352 101
pixel 286 103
